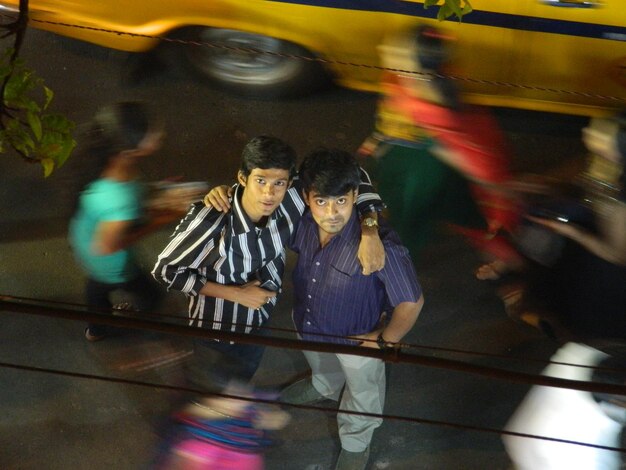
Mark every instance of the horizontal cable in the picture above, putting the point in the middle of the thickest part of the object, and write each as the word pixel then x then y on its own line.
pixel 400 344
pixel 409 419
pixel 388 355
pixel 245 50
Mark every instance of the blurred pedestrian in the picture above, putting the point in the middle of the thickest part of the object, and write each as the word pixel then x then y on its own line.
pixel 227 432
pixel 586 288
pixel 571 415
pixel 434 158
pixel 604 182
pixel 334 302
pixel 230 264
pixel 581 292
pixel 110 215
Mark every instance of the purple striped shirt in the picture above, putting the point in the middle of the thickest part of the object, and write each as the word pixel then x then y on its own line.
pixel 332 296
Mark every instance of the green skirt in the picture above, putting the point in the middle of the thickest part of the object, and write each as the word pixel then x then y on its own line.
pixel 421 193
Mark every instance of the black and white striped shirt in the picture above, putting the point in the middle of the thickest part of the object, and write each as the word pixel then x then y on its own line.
pixel 228 248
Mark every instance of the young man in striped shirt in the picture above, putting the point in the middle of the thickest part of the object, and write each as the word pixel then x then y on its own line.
pixel 334 301
pixel 230 261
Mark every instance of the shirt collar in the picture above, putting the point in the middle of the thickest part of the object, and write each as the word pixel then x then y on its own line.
pixel 347 242
pixel 241 221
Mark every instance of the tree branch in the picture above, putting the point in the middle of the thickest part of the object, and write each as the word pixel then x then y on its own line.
pixel 19 29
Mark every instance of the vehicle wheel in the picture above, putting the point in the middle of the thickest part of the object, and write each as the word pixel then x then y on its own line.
pixel 235 65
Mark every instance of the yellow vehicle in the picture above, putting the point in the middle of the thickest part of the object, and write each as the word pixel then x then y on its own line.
pixel 549 55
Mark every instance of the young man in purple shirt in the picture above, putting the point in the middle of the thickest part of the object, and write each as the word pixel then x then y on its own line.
pixel 333 297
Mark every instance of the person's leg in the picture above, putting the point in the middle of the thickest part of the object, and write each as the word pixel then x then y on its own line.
pixel 216 364
pixel 146 293
pixel 97 295
pixel 364 392
pixel 326 381
pixel 326 373
pixel 246 359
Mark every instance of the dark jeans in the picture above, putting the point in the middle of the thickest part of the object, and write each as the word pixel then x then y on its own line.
pixel 144 295
pixel 216 363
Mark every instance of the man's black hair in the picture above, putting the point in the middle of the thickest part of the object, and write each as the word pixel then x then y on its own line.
pixel 267 152
pixel 330 172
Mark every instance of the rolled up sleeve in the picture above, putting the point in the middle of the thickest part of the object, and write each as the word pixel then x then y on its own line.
pixel 368 200
pixel 182 264
pixel 398 275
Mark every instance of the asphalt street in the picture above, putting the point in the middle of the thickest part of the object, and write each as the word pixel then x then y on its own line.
pixel 53 421
pixel 59 422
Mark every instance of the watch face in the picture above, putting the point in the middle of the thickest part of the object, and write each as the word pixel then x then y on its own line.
pixel 370 222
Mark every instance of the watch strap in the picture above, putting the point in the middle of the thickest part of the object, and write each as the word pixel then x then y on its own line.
pixel 382 342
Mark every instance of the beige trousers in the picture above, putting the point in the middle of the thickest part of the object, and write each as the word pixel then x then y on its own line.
pixel 364 380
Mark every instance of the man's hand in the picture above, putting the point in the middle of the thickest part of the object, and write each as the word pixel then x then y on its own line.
pixel 219 198
pixel 368 340
pixel 252 296
pixel 371 252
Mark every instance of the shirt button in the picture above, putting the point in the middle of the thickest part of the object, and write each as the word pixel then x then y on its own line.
pixel 308 323
pixel 308 310
pixel 317 263
pixel 314 280
pixel 309 296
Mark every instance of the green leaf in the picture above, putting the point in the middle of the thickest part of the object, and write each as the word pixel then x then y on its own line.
pixel 16 93
pixel 444 12
pixel 48 166
pixel 35 124
pixel 19 145
pixel 455 6
pixel 11 126
pixel 4 71
pixel 19 138
pixel 57 122
pixel 49 95
pixel 46 138
pixel 459 8
pixel 65 151
pixel 57 145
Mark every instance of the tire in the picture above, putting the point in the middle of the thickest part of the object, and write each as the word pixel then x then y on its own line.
pixel 234 65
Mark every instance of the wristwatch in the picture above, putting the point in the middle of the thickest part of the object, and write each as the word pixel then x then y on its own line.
pixel 382 342
pixel 369 222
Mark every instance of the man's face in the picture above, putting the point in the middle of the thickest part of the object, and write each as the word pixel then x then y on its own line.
pixel 331 213
pixel 264 191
